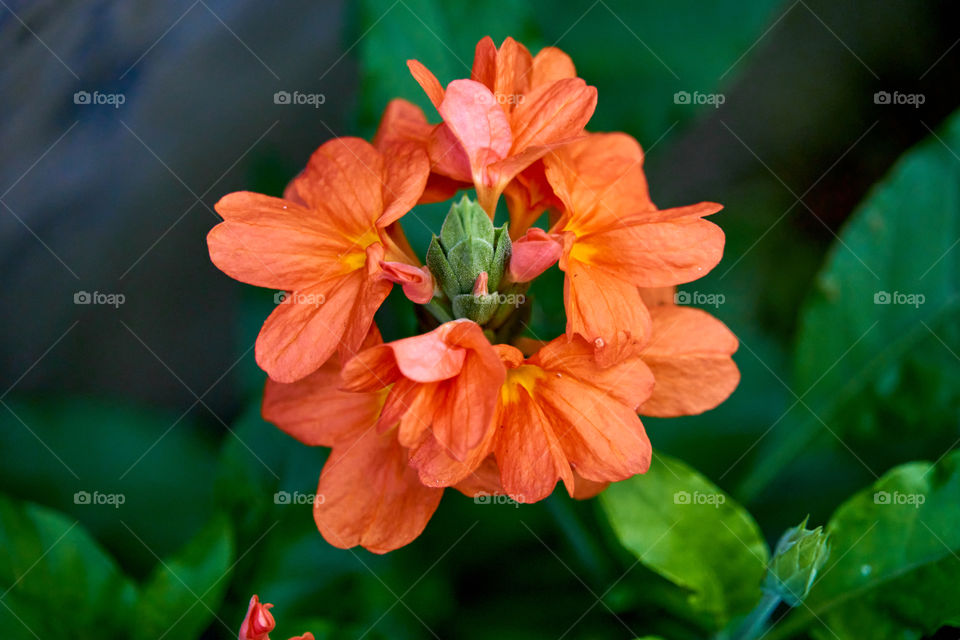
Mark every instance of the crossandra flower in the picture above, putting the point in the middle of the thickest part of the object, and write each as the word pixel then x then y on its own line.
pixel 368 494
pixel 472 401
pixel 616 240
pixel 512 110
pixel 327 244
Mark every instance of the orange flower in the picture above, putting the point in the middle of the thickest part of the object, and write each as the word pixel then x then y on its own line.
pixel 512 111
pixel 443 388
pixel 327 243
pixel 616 240
pixel 367 494
pixel 258 623
pixel 559 411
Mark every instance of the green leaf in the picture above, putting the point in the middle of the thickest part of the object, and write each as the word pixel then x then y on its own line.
pixel 896 566
pixel 61 583
pixel 686 529
pixel 182 594
pixel 878 338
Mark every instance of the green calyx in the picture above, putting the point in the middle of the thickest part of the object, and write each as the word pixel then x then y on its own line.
pixel 469 261
pixel 799 556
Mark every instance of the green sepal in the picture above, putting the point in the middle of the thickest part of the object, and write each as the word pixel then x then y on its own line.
pixel 441 270
pixel 476 308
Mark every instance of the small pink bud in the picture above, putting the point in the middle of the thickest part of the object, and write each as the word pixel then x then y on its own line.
pixel 480 285
pixel 259 621
pixel 533 254
pixel 417 282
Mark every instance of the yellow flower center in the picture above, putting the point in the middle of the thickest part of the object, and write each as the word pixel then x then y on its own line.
pixel 525 376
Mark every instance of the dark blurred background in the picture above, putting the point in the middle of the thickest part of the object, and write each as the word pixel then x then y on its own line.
pixel 146 396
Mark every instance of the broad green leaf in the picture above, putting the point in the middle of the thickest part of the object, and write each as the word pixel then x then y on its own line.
pixel 897 559
pixel 880 333
pixel 182 594
pixel 59 583
pixel 686 529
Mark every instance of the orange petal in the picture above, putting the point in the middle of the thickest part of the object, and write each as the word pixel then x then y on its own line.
pixel 604 310
pixel 549 65
pixel 514 65
pixel 529 454
pixel 585 489
pixel 600 180
pixel 431 86
pixel 406 169
pixel 307 328
pixel 344 181
pixel 447 156
pixel 528 195
pixel 467 402
pixel 629 380
pixel 417 282
pixel 484 68
pixel 602 438
pixel 484 480
pixel 472 114
pixel 314 410
pixel 658 296
pixel 402 121
pixel 369 496
pixel 553 112
pixel 690 356
pixel 437 467
pixel 533 254
pixel 440 188
pixel 656 254
pixel 269 242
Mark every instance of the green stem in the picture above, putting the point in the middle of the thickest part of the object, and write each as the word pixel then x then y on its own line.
pixel 754 623
pixel 573 529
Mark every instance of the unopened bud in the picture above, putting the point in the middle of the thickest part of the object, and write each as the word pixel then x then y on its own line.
pixel 798 558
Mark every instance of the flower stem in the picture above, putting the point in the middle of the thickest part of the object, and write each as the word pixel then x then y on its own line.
pixel 754 623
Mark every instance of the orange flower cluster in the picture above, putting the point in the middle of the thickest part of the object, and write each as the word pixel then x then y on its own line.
pixel 471 404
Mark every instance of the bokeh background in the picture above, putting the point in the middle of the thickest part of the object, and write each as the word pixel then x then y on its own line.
pixel 154 399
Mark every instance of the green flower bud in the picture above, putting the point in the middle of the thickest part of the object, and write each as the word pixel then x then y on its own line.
pixel 468 246
pixel 798 558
